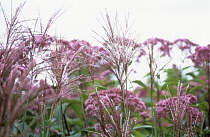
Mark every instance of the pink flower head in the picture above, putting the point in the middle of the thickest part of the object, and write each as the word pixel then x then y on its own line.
pixel 201 55
pixel 42 40
pixel 135 104
pixel 165 45
pixel 36 130
pixel 195 113
pixel 144 114
pixel 76 44
pixel 142 93
pixel 163 108
pixel 185 44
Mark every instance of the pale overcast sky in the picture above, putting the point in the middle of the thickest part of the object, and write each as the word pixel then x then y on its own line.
pixel 167 19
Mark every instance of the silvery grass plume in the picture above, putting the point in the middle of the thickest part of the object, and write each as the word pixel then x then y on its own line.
pixel 14 28
pixel 19 92
pixel 19 89
pixel 61 65
pixel 187 121
pixel 120 50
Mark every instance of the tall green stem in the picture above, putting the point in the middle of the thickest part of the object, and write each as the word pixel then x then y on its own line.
pixel 83 113
pixel 151 55
pixel 208 87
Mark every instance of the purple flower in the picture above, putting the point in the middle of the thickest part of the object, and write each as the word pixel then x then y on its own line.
pixel 195 113
pixel 135 104
pixel 141 92
pixel 166 107
pixel 178 111
pixel 165 45
pixel 185 44
pixel 42 41
pixel 201 55
pixel 144 114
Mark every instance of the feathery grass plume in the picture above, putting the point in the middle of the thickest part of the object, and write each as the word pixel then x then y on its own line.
pixel 178 111
pixel 18 94
pixel 19 89
pixel 62 63
pixel 120 49
pixel 14 29
pixel 68 60
pixel 16 87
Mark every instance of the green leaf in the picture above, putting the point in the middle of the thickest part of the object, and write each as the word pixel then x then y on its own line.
pixel 199 81
pixel 186 67
pixel 73 122
pixel 202 105
pixel 84 96
pixel 112 84
pixel 191 74
pixel 148 74
pixel 146 100
pixel 171 81
pixel 58 113
pixel 74 105
pixel 203 96
pixel 70 101
pixel 193 89
pixel 157 86
pixel 140 83
pixel 142 126
pixel 75 135
pixel 77 109
pixel 85 129
pixel 20 126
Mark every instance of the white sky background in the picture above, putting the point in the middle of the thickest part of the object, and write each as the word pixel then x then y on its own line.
pixel 167 19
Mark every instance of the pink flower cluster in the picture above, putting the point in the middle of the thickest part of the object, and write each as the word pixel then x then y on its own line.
pixel 163 107
pixel 88 52
pixel 73 44
pixel 39 41
pixel 195 113
pixel 135 104
pixel 185 44
pixel 201 55
pixel 43 40
pixel 165 45
pixel 166 108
